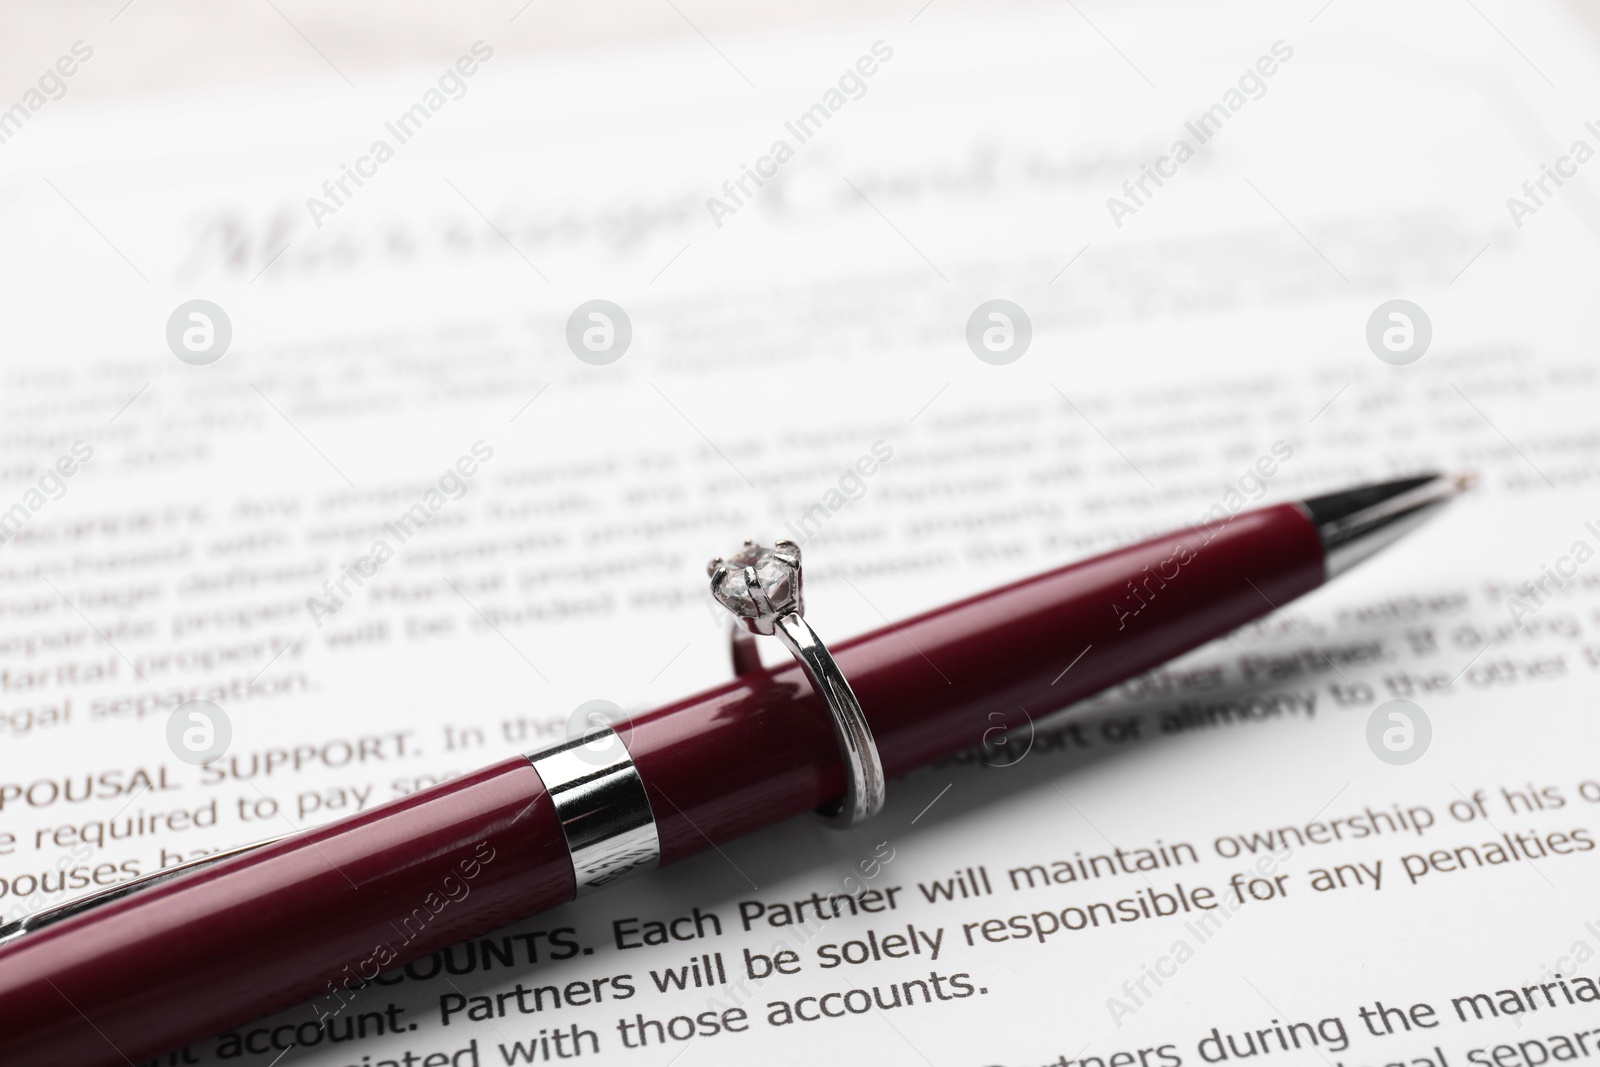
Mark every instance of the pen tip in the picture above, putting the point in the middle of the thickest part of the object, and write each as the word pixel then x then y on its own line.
pixel 1355 523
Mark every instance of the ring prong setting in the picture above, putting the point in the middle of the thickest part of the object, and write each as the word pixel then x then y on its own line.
pixel 758 585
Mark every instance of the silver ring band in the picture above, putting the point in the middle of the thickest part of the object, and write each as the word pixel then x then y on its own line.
pixel 762 588
pixel 601 803
pixel 864 784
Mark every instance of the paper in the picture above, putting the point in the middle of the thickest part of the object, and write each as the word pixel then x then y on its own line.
pixel 1229 859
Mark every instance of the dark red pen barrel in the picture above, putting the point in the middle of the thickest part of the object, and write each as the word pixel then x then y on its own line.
pixel 306 920
pixel 301 920
pixel 759 749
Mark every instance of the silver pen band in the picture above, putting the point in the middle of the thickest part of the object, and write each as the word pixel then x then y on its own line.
pixel 601 803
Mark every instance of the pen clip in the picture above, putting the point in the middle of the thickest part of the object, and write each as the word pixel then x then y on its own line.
pixel 77 906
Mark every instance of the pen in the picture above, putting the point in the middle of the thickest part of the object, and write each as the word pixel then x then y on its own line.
pixel 148 966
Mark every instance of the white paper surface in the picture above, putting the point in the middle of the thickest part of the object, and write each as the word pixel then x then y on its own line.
pixel 1224 320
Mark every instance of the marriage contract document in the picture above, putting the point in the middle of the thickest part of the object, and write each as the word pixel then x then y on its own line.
pixel 299 419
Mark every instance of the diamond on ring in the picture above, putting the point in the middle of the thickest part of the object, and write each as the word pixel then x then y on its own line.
pixel 758 584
